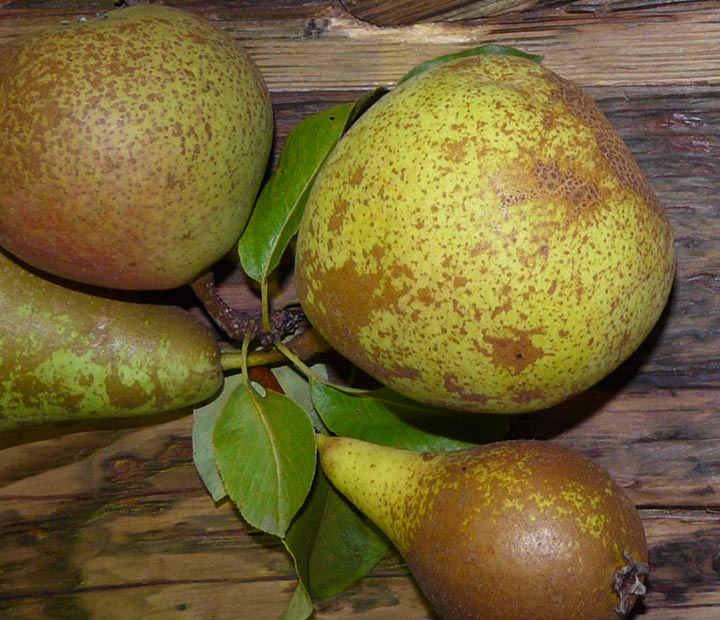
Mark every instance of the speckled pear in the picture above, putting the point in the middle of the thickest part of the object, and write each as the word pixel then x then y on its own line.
pixel 482 239
pixel 133 145
pixel 66 354
pixel 514 529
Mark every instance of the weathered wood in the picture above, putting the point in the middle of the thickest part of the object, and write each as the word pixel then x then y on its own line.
pixel 128 521
pixel 387 13
pixel 392 13
pixel 342 53
pixel 332 50
pixel 110 520
pixel 662 446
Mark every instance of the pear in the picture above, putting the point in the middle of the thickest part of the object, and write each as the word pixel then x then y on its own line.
pixel 514 529
pixel 68 354
pixel 482 239
pixel 133 147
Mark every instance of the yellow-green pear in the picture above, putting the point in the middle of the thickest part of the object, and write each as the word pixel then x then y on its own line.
pixel 482 239
pixel 509 530
pixel 67 354
pixel 132 146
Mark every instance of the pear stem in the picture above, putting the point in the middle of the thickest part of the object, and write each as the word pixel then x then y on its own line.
pixel 268 327
pixel 304 346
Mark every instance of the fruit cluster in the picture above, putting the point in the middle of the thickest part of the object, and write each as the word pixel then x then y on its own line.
pixel 133 148
pixel 479 241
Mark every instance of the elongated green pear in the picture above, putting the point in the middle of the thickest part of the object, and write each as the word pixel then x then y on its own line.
pixel 67 354
pixel 482 239
pixel 133 145
pixel 514 529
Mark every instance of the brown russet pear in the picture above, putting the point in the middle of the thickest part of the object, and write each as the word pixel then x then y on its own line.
pixel 133 146
pixel 68 354
pixel 508 530
pixel 482 239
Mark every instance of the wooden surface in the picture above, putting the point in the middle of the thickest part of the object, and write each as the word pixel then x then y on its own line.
pixel 112 522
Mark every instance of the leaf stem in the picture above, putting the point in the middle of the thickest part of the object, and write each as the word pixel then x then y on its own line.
pixel 265 301
pixel 244 359
pixel 299 363
pixel 304 345
pixel 311 374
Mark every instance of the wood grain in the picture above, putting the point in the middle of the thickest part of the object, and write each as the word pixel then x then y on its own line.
pixel 384 13
pixel 329 49
pixel 110 520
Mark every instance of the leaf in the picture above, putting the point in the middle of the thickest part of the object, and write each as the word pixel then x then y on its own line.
pixel 300 606
pixel 502 50
pixel 297 388
pixel 385 417
pixel 265 452
pixel 204 420
pixel 333 545
pixel 279 207
pixel 277 213
pixel 361 105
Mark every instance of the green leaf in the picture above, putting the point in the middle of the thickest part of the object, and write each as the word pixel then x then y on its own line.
pixel 300 606
pixel 502 50
pixel 279 207
pixel 265 452
pixel 361 105
pixel 333 545
pixel 204 420
pixel 297 388
pixel 385 417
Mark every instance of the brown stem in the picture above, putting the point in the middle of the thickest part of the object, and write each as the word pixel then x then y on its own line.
pixel 240 326
pixel 237 325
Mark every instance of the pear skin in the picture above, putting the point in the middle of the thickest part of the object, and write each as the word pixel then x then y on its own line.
pixel 66 354
pixel 482 239
pixel 134 146
pixel 514 529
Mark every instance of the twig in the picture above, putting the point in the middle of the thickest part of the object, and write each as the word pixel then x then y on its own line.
pixel 240 326
pixel 304 345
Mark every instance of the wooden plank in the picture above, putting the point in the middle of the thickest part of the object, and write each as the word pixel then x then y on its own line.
pixel 661 445
pixel 169 552
pixel 387 13
pixel 407 12
pixel 332 50
pixel 349 55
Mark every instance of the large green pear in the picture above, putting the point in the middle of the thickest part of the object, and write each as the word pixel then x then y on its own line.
pixel 509 530
pixel 482 239
pixel 133 145
pixel 67 354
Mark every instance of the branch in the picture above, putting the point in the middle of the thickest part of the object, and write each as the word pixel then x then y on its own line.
pixel 304 345
pixel 238 326
pixel 241 326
